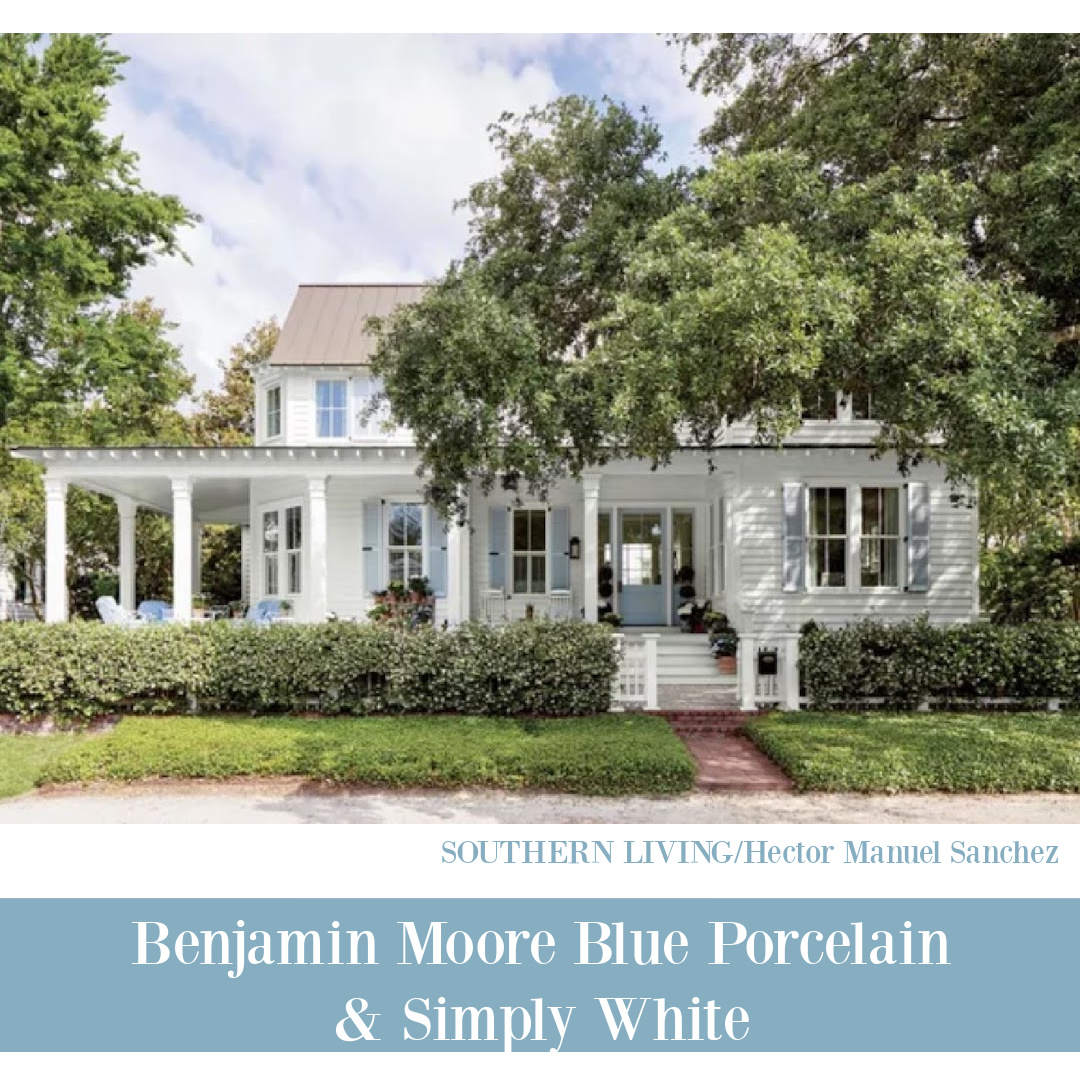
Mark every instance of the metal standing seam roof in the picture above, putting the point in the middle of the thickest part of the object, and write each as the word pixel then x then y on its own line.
pixel 326 325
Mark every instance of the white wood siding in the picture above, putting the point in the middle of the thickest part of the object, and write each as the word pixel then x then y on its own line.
pixel 757 535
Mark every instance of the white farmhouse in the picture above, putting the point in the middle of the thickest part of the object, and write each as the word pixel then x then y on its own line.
pixel 331 510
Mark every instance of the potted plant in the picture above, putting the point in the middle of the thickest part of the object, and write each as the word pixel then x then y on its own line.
pixel 199 603
pixel 689 613
pixel 612 619
pixel 286 609
pixel 724 641
pixel 236 609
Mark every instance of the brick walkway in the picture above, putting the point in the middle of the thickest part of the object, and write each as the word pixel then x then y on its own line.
pixel 726 759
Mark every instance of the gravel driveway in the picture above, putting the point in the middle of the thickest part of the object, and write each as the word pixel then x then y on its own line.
pixel 276 803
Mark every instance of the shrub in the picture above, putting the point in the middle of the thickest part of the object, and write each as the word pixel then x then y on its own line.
pixel 84 670
pixel 906 663
pixel 1040 579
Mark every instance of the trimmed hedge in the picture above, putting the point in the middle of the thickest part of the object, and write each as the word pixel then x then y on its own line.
pixel 82 670
pixel 904 664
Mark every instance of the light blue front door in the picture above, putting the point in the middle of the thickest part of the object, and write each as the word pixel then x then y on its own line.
pixel 642 600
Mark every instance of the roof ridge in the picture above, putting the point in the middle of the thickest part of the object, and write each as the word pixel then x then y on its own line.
pixel 364 284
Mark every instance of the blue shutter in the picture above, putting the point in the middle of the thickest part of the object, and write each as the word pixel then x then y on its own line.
pixel 374 553
pixel 435 542
pixel 794 538
pixel 918 538
pixel 497 547
pixel 559 547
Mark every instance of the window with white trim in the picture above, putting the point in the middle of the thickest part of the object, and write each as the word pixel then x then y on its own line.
pixel 331 408
pixel 827 547
pixel 271 546
pixel 879 557
pixel 862 405
pixel 819 406
pixel 405 541
pixel 530 551
pixel 293 548
pixel 273 412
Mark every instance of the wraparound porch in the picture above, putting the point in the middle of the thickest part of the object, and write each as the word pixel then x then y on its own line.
pixel 326 527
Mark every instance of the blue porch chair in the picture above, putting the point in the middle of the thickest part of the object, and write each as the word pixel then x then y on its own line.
pixel 155 611
pixel 264 613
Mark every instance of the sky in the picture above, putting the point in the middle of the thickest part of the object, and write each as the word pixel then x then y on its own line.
pixel 339 158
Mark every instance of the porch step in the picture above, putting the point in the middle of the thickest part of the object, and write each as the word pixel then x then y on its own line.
pixel 687 660
pixel 697 697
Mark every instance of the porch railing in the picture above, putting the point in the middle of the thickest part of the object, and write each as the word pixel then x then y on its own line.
pixel 635 683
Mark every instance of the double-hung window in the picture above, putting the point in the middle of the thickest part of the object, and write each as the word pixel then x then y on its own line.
pixel 828 538
pixel 271 545
pixel 331 408
pixel 293 548
pixel 530 551
pixel 282 541
pixel 273 412
pixel 879 558
pixel 405 541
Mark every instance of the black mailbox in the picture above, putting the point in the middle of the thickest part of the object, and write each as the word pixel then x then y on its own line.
pixel 767 662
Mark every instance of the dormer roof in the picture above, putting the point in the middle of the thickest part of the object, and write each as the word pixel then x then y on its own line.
pixel 326 325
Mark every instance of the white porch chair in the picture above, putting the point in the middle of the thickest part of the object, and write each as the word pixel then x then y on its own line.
pixel 493 607
pixel 114 615
pixel 559 604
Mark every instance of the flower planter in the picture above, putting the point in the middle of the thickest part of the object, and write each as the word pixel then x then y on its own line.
pixel 726 665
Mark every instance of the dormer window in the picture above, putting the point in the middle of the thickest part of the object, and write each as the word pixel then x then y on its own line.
pixel 331 408
pixel 273 412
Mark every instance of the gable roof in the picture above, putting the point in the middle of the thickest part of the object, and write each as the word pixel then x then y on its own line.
pixel 326 323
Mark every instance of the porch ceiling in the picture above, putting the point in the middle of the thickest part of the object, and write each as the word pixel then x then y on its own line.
pixel 214 501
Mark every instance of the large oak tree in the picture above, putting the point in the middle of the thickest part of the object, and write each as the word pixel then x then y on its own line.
pixel 892 214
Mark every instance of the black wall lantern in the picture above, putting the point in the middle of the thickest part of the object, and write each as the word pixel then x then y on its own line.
pixel 575 547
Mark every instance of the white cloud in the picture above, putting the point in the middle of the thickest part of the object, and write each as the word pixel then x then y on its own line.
pixel 336 158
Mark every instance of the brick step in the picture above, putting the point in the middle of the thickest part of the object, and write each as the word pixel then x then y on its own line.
pixel 717 721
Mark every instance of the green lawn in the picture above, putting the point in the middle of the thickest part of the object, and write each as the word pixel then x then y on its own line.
pixel 22 757
pixel 600 755
pixel 989 752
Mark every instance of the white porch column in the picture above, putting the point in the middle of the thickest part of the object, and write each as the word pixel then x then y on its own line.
pixel 182 555
pixel 590 543
pixel 245 564
pixel 747 655
pixel 196 556
pixel 126 508
pixel 457 572
pixel 317 574
pixel 56 598
pixel 465 606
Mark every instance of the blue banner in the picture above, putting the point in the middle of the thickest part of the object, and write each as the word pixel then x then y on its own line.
pixel 531 975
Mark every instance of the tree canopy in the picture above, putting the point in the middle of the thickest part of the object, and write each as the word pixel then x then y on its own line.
pixel 74 222
pixel 226 417
pixel 80 363
pixel 885 213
